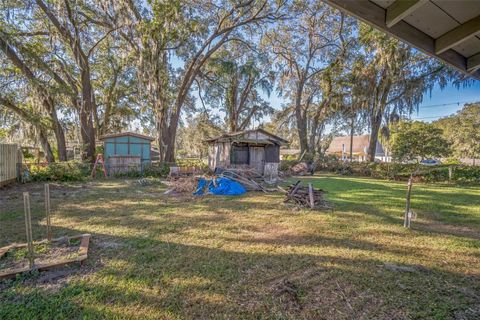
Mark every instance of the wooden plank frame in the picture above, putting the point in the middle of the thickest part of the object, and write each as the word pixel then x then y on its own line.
pixel 400 9
pixel 458 35
pixel 473 63
pixel 82 256
pixel 374 15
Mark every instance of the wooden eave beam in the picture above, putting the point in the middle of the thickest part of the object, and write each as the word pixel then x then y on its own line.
pixel 400 9
pixel 457 35
pixel 374 15
pixel 473 63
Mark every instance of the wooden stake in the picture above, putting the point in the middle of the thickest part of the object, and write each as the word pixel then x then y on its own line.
pixel 310 193
pixel 296 186
pixel 406 221
pixel 450 173
pixel 28 228
pixel 47 211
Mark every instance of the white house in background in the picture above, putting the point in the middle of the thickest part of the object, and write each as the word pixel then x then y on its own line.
pixel 340 146
pixel 284 153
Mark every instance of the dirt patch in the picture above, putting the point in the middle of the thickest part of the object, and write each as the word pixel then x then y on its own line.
pixel 44 253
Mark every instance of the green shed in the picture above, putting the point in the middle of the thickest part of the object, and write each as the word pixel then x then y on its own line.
pixel 126 151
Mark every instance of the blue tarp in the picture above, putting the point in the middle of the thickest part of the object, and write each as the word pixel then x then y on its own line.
pixel 219 186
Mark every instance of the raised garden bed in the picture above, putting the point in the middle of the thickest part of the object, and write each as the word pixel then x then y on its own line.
pixel 48 255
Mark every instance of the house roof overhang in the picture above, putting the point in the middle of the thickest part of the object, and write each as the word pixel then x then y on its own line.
pixel 445 29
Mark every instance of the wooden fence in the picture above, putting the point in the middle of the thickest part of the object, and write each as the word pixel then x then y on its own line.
pixel 9 157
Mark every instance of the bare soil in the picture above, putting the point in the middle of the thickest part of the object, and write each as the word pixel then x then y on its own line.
pixel 44 253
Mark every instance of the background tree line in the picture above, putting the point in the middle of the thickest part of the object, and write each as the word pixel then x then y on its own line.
pixel 182 70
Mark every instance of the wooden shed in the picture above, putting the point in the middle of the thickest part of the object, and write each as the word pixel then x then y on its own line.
pixel 257 149
pixel 10 158
pixel 126 151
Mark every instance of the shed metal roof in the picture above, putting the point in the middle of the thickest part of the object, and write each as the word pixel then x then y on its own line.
pixel 124 134
pixel 237 136
pixel 446 29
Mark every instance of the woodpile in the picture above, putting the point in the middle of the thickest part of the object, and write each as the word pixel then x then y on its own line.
pixel 249 178
pixel 307 196
pixel 180 185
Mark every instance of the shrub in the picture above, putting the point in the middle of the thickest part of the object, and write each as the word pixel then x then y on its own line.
pixel 400 171
pixel 468 174
pixel 290 157
pixel 62 171
pixel 285 165
pixel 156 170
pixel 192 162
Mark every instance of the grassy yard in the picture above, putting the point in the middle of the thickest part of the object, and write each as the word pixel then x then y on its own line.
pixel 250 257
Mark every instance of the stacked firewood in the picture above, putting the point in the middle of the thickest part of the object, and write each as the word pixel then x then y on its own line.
pixel 307 196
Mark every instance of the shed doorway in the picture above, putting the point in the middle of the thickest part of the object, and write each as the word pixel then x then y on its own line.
pixel 257 158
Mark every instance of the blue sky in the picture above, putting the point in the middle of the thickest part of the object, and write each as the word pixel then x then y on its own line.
pixel 445 102
pixel 436 104
pixel 439 103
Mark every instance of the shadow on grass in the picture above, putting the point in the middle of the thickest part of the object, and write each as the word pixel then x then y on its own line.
pixel 137 274
pixel 148 278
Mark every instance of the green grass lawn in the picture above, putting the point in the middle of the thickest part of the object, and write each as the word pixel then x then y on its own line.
pixel 250 257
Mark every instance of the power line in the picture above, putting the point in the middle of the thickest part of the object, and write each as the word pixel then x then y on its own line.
pixel 447 104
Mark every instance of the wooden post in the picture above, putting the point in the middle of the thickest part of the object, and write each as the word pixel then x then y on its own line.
pixel 310 193
pixel 406 222
pixel 450 173
pixel 295 188
pixel 28 228
pixel 47 211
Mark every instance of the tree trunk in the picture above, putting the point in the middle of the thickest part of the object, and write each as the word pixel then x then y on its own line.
pixel 42 136
pixel 232 104
pixel 318 145
pixel 376 121
pixel 162 130
pixel 316 125
pixel 301 121
pixel 313 134
pixel 106 118
pixel 352 130
pixel 48 104
pixel 169 139
pixel 160 106
pixel 87 107
pixel 87 129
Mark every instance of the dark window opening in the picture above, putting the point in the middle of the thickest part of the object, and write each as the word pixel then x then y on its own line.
pixel 272 153
pixel 239 154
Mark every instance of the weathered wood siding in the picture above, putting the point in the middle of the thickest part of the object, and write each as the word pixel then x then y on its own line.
pixel 123 164
pixel 9 157
pixel 257 158
pixel 219 155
